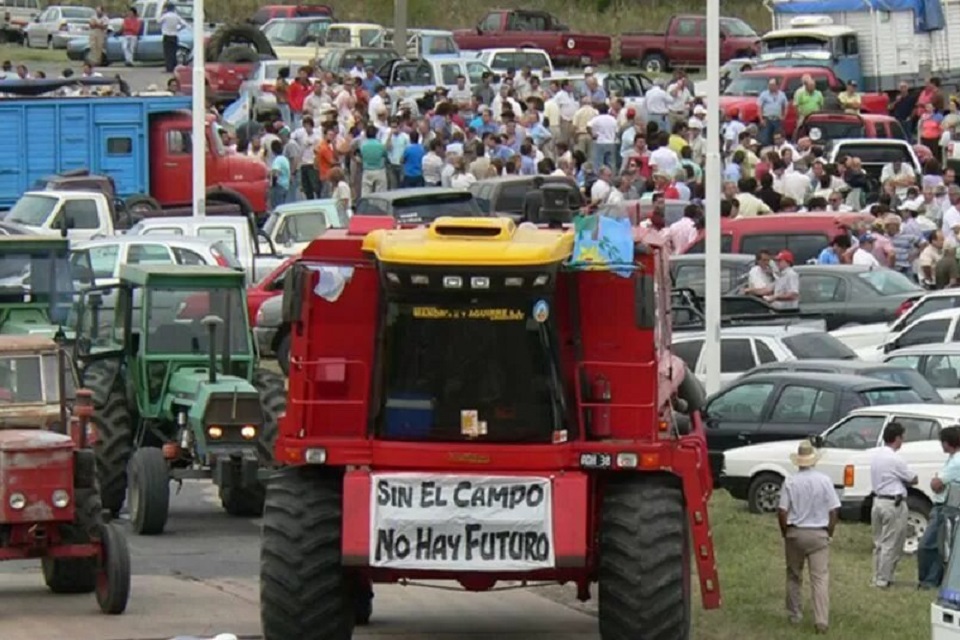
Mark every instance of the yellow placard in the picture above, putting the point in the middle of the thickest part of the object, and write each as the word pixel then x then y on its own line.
pixel 436 313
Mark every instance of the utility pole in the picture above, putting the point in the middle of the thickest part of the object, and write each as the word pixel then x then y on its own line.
pixel 711 180
pixel 400 27
pixel 198 146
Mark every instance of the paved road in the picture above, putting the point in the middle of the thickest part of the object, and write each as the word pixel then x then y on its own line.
pixel 139 77
pixel 200 578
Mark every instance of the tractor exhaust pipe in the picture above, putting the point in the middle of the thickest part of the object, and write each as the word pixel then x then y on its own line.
pixel 211 323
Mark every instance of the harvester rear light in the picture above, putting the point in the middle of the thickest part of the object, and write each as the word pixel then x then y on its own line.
pixel 452 282
pixel 479 282
pixel 541 280
pixel 60 499
pixel 849 475
pixel 513 282
pixel 17 501
pixel 215 432
pixel 627 460
pixel 420 280
pixel 248 432
pixel 315 456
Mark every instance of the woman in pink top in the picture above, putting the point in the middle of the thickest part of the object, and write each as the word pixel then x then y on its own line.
pixel 929 129
pixel 131 33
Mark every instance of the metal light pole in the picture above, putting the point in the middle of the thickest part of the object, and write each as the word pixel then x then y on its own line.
pixel 712 199
pixel 199 136
pixel 400 27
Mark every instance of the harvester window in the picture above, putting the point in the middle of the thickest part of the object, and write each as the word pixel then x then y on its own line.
pixel 21 380
pixel 175 321
pixel 443 364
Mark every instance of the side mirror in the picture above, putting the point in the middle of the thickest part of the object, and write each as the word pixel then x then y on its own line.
pixel 891 346
pixel 817 441
pixel 479 30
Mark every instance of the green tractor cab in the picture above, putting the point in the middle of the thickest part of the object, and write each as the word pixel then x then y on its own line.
pixel 177 391
pixel 39 278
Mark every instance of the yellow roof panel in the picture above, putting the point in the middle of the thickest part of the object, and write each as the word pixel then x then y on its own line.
pixel 492 242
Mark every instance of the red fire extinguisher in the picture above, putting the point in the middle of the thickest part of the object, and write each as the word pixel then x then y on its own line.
pixel 600 392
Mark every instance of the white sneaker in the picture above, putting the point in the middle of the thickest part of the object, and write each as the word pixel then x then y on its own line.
pixel 881 584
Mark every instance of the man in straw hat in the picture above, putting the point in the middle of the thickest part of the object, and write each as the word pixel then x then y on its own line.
pixel 808 512
pixel 889 475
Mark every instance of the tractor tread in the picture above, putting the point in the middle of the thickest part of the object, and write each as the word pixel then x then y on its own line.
pixel 644 576
pixel 114 444
pixel 304 592
pixel 152 483
pixel 273 399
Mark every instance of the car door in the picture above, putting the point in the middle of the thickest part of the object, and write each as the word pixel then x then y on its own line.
pixel 943 372
pixel 824 294
pixel 922 332
pixel 734 415
pixel 850 434
pixel 799 410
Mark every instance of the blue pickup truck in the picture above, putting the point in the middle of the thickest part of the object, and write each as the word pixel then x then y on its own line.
pixel 143 143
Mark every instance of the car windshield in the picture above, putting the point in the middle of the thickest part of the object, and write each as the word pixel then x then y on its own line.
pixel 888 282
pixel 856 432
pixel 77 13
pixel 891 396
pixel 175 318
pixel 477 371
pixel 419 209
pixel 737 28
pixel 911 378
pixel 814 345
pixel 284 32
pixel 32 210
pixel 303 227
pixel 22 379
pixel 747 86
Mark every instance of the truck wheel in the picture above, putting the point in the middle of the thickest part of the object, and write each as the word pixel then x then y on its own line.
pixel 362 602
pixel 654 63
pixel 113 578
pixel 763 496
pixel 304 591
pixel 239 54
pixel 273 400
pixel 243 502
pixel 114 427
pixel 231 197
pixel 149 479
pixel 184 56
pixel 644 560
pixel 283 354
pixel 76 575
pixel 142 204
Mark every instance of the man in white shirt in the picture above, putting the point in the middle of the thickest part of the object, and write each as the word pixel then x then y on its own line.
pixel 683 232
pixel 603 128
pixel 460 95
pixel 889 477
pixel 761 277
pixel 600 190
pixel 951 217
pixel 665 159
pixel 900 175
pixel 657 102
pixel 567 106
pixel 378 103
pixel 680 98
pixel 170 25
pixel 863 255
pixel 307 138
pixel 98 36
pixel 795 185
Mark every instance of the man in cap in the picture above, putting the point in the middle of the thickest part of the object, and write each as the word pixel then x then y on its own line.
pixel 786 288
pixel 808 512
pixel 890 476
pixel 863 255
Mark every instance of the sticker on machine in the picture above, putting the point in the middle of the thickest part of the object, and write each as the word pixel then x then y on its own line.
pixel 461 523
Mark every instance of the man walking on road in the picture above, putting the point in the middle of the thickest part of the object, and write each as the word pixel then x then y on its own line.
pixel 890 477
pixel 808 512
pixel 929 560
pixel 98 37
pixel 170 25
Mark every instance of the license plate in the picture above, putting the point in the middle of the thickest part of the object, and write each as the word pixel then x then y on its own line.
pixel 596 460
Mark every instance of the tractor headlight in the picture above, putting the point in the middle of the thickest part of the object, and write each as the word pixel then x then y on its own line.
pixel 215 432
pixel 17 501
pixel 60 499
pixel 249 432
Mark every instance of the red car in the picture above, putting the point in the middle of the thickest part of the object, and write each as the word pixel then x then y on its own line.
pixel 740 96
pixel 267 288
pixel 683 44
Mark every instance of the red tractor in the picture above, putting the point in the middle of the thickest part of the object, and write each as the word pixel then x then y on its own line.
pixel 50 505
pixel 466 404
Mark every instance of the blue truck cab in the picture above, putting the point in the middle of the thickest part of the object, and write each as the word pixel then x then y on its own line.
pixel 143 143
pixel 809 43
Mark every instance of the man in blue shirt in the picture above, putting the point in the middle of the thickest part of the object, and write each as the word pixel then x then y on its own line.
pixel 413 163
pixel 279 175
pixel 929 561
pixel 484 123
pixel 397 141
pixel 371 82
pixel 772 104
pixel 834 253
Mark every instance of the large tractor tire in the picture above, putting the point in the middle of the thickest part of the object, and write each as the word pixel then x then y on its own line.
pixel 114 427
pixel 246 502
pixel 273 400
pixel 304 591
pixel 76 575
pixel 149 491
pixel 113 575
pixel 644 560
pixel 238 35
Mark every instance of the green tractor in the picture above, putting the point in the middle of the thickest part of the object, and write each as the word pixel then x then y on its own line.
pixel 177 391
pixel 38 278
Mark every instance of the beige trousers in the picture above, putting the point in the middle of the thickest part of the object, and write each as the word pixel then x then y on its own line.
pixel 889 522
pixel 811 547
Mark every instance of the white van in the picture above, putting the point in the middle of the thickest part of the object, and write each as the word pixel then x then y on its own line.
pixel 22 12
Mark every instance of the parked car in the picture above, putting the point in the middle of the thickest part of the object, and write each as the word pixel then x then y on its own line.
pixel 354 34
pixel 939 364
pixel 871 336
pixel 291 227
pixel 743 348
pixel 267 287
pixel 500 60
pixel 297 39
pixel 264 78
pixel 54 27
pixel 902 373
pixel 340 60
pixel 107 255
pixel 269 12
pixel 934 328
pixel 272 334
pixel 852 294
pixel 825 126
pixel 875 154
pixel 420 205
pixel 772 407
pixel 413 79
pixel 688 272
pixel 505 195
pixel 683 44
pixel 755 473
pixel 149 46
pixel 21 12
pixel 803 234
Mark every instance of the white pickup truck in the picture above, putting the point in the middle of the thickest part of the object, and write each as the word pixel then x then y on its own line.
pixel 83 214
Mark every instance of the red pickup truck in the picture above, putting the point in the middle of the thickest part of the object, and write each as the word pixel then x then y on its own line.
pixel 231 55
pixel 508 28
pixel 740 96
pixel 684 44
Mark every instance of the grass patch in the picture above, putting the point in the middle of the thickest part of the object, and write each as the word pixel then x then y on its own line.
pixel 752 580
pixel 17 54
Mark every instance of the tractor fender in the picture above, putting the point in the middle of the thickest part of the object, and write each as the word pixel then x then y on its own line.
pixel 230 196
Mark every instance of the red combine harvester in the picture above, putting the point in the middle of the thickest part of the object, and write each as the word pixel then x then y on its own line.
pixel 465 404
pixel 50 501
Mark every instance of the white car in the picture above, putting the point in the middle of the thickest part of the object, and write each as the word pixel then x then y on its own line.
pixel 263 82
pixel 934 328
pixel 867 338
pixel 755 473
pixel 502 59
pixel 938 363
pixel 744 347
pixel 57 25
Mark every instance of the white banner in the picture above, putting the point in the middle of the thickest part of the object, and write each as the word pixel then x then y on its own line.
pixel 462 523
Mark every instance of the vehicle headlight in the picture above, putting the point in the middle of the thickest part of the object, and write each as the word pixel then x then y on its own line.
pixel 60 499
pixel 18 501
pixel 215 432
pixel 249 432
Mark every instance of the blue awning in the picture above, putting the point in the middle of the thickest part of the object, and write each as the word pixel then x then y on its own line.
pixel 928 14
